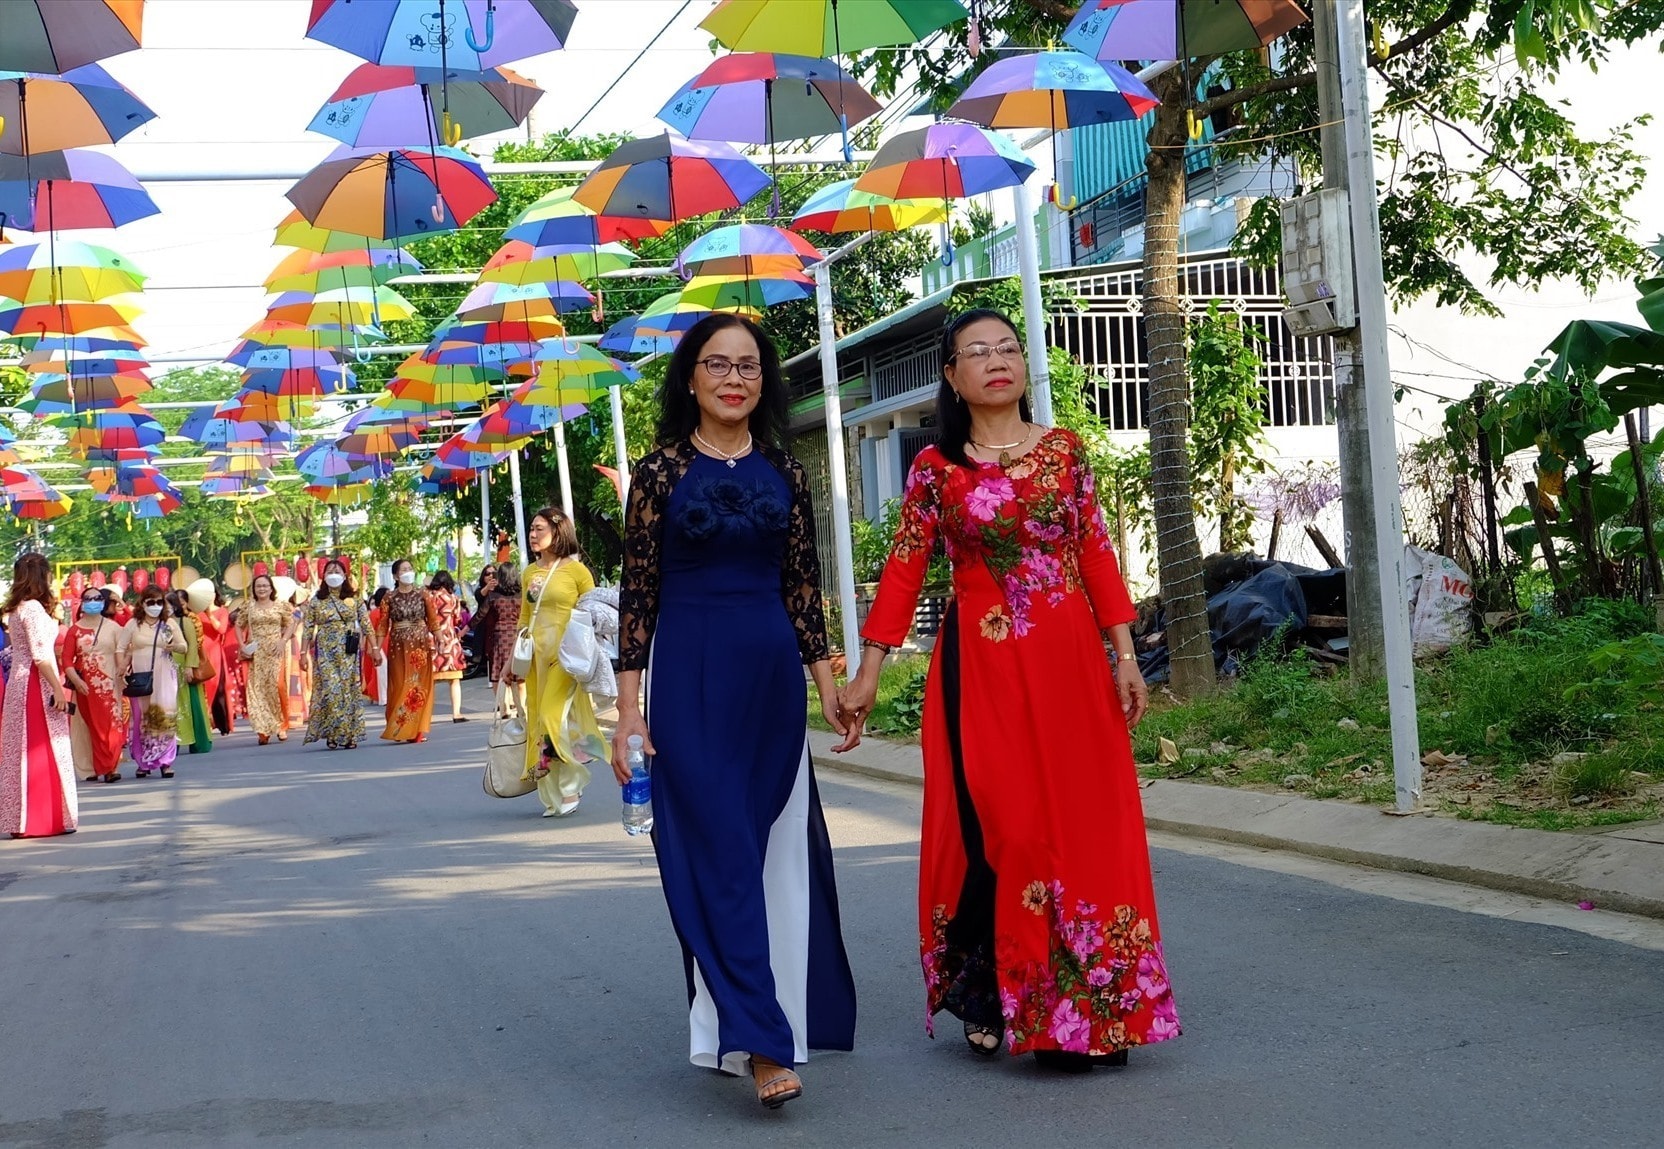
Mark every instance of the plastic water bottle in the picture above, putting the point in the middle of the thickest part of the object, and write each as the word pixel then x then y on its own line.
pixel 638 791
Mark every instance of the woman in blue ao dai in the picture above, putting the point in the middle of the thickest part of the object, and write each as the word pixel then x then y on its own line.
pixel 720 610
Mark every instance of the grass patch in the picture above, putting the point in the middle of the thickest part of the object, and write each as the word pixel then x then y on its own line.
pixel 1526 733
pixel 896 713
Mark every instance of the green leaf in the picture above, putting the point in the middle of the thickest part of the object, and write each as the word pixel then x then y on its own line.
pixel 1519 516
pixel 1627 541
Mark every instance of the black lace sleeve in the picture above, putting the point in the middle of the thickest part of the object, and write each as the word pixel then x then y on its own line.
pixel 651 482
pixel 800 573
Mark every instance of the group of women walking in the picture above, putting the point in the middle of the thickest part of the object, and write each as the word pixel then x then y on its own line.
pixel 1037 918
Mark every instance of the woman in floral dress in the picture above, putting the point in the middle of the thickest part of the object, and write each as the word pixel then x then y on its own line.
pixel 37 768
pixel 449 661
pixel 151 641
pixel 498 622
pixel 264 627
pixel 410 628
pixel 334 618
pixel 1037 915
pixel 89 657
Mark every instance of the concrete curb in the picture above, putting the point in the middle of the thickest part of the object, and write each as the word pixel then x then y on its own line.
pixel 1615 873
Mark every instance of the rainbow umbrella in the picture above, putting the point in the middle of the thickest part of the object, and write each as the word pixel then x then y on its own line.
pixel 1118 30
pixel 66 269
pixel 471 34
pixel 497 359
pixel 330 463
pixel 53 394
pixel 52 36
pixel 945 161
pixel 747 250
pixel 375 431
pixel 261 357
pixel 134 483
pixel 557 218
pixel 253 465
pixel 47 113
pixel 630 336
pixel 297 231
pixel 437 478
pixel 839 207
pixel 500 300
pixel 1055 90
pixel 300 382
pixel 520 263
pixel 383 106
pixel 324 271
pixel 393 192
pixel 66 318
pixel 237 487
pixel 348 307
pixel 226 426
pixel 345 495
pixel 130 428
pixel 666 177
pixel 730 294
pixel 459 454
pixel 51 355
pixel 69 190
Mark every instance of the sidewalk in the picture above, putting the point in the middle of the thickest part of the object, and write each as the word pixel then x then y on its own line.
pixel 1621 869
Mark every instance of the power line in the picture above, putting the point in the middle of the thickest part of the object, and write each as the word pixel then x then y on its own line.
pixel 627 68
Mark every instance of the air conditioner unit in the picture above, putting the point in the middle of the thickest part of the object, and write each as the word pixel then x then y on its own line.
pixel 1317 263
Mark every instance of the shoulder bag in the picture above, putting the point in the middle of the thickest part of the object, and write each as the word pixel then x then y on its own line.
pixel 525 652
pixel 352 639
pixel 142 683
pixel 203 671
pixel 505 754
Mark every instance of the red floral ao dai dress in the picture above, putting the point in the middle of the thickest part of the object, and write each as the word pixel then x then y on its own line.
pixel 1036 907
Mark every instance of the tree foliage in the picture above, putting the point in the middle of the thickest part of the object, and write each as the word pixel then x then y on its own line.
pixel 1227 421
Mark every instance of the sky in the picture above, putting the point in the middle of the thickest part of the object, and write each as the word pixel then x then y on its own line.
pixel 234 85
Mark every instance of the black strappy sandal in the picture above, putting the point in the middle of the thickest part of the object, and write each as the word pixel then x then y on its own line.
pixel 982 1039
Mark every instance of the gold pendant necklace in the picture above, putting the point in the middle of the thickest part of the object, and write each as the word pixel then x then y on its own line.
pixel 725 456
pixel 1003 448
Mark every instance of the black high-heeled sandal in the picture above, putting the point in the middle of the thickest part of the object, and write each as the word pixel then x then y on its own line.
pixel 982 1039
pixel 1063 1061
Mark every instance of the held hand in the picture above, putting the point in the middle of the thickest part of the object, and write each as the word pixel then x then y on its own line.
pixel 1135 695
pixel 832 710
pixel 305 662
pixel 855 702
pixel 628 724
pixel 60 703
pixel 380 658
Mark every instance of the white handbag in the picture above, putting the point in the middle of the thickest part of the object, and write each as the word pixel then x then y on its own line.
pixel 505 754
pixel 578 648
pixel 525 650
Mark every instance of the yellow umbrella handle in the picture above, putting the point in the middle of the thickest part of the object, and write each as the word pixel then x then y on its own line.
pixel 1194 125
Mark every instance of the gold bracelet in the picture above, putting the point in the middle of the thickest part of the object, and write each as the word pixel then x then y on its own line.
pixel 866 642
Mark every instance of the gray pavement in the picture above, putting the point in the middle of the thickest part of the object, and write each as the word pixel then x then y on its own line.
pixel 288 947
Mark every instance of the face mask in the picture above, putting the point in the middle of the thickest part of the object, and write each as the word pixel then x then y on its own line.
pixel 407 577
pixel 154 610
pixel 334 580
pixel 96 606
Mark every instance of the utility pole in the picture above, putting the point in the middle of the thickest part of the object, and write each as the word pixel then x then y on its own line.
pixel 1385 526
pixel 1363 558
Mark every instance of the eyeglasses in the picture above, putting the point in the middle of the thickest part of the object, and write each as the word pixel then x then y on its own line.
pixel 1010 349
pixel 718 367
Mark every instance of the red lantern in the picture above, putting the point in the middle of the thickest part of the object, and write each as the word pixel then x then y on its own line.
pixel 164 577
pixel 283 568
pixel 120 579
pixel 75 584
pixel 98 580
pixel 141 580
pixel 260 568
pixel 303 570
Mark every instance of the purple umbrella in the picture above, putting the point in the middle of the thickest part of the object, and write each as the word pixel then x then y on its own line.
pixel 470 34
pixel 62 191
pixel 381 106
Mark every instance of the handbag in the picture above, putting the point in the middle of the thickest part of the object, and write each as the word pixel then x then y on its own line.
pixel 525 651
pixel 578 648
pixel 505 754
pixel 204 670
pixel 142 683
pixel 352 639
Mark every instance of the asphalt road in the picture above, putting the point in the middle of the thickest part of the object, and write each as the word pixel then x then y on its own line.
pixel 287 947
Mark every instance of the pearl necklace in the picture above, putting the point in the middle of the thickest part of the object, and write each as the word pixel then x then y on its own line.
pixel 715 450
pixel 1004 448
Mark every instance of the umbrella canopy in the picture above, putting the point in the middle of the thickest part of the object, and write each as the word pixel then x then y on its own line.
pixel 136 483
pixel 457 452
pixel 399 192
pixel 66 269
pixel 47 113
pixel 559 219
pixel 667 177
pixel 839 207
pixel 53 394
pixel 323 271
pixel 260 357
pixel 47 358
pixel 945 161
pixel 224 426
pixel 328 463
pixel 490 301
pixel 67 190
pixel 631 336
pixel 747 295
pixel 300 382
pixel 484 333
pixel 391 107
pixel 437 478
pixel 471 34
pixel 51 36
pixel 747 250
pixel 352 306
pixel 761 97
pixel 517 262
pixel 823 27
pixel 1054 90
pixel 374 431
pixel 129 428
pixel 297 231
pixel 65 318
pixel 1178 29
pixel 345 495
pixel 236 487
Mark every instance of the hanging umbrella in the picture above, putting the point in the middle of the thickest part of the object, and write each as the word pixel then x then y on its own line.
pixel 52 36
pixel 297 231
pixel 839 207
pixel 1054 90
pixel 47 358
pixel 129 428
pixel 560 362
pixel 437 478
pixel 559 219
pixel 261 357
pixel 225 426
pixel 284 333
pixel 666 177
pixel 373 431
pixel 328 462
pixel 746 250
pixel 66 269
pixel 350 306
pixel 348 494
pixel 823 27
pixel 393 107
pixel 398 192
pixel 765 97
pixel 517 262
pixel 629 336
pixel 300 382
pixel 485 332
pixel 944 161
pixel 53 394
pixel 47 113
pixel 1118 30
pixel 497 359
pixel 237 487
pixel 365 267
pixel 750 295
pixel 458 453
pixel 489 300
pixel 471 34
pixel 67 190
pixel 65 318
